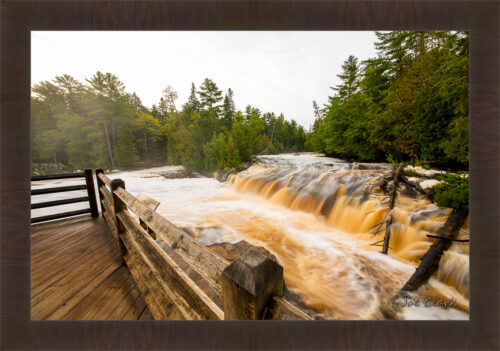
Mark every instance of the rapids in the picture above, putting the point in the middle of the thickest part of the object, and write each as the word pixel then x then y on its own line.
pixel 319 216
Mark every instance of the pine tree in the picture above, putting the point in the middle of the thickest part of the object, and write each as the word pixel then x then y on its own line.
pixel 350 78
pixel 192 105
pixel 228 109
pixel 210 95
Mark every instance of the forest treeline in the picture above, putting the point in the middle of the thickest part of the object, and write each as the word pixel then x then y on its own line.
pixel 99 124
pixel 407 104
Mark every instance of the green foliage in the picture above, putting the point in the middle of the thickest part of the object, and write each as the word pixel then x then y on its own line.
pixel 453 192
pixel 349 77
pixel 209 94
pixel 125 150
pixel 101 125
pixel 457 146
pixel 409 104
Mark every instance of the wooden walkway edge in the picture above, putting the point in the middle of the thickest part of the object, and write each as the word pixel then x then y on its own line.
pixel 77 274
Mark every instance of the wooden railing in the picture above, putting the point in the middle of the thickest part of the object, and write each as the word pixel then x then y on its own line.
pixel 251 287
pixel 90 198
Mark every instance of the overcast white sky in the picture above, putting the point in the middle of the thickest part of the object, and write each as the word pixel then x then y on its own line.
pixel 274 71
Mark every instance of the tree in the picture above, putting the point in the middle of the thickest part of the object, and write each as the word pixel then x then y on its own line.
pixel 167 101
pixel 99 124
pixel 136 102
pixel 150 130
pixel 209 94
pixel 349 77
pixel 228 109
pixel 192 105
pixel 125 149
pixel 317 112
pixel 110 107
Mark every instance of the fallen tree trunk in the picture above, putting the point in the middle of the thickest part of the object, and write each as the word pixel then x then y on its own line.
pixel 430 261
pixel 392 200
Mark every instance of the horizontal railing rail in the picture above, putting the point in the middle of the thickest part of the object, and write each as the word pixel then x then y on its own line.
pixel 58 176
pixel 90 198
pixel 59 202
pixel 59 189
pixel 251 287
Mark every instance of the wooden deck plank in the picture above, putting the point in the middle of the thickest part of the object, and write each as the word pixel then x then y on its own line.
pixel 62 311
pixel 49 300
pixel 81 268
pixel 101 301
pixel 66 260
pixel 77 273
pixel 135 311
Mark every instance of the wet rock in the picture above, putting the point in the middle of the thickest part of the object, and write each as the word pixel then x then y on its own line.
pixel 180 173
pixel 221 176
pixel 424 172
pixel 429 183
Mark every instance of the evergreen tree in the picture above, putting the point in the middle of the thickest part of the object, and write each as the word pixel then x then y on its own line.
pixel 192 105
pixel 349 77
pixel 228 109
pixel 210 95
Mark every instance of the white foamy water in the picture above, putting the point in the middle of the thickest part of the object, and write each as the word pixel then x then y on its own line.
pixel 335 272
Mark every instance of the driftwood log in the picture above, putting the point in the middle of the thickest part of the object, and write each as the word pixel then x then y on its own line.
pixel 392 200
pixel 430 261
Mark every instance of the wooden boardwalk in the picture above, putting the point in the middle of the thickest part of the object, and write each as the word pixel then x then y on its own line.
pixel 76 274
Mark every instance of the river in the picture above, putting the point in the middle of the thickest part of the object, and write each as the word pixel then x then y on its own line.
pixel 316 215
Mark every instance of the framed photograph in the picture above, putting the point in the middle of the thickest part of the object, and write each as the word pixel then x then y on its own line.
pixel 251 175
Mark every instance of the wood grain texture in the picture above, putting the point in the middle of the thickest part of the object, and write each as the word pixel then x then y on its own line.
pixel 19 17
pixel 188 297
pixel 77 273
pixel 201 259
pixel 281 309
pixel 249 283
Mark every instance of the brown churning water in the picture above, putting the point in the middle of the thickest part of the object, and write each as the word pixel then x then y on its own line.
pixel 342 276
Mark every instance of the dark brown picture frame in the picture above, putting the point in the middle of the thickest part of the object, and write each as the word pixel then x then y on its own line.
pixel 18 18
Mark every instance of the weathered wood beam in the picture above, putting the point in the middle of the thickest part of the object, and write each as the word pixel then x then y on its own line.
pixel 249 284
pixel 59 215
pixel 59 189
pixel 106 195
pixel 100 183
pixel 108 210
pixel 118 205
pixel 161 307
pixel 58 176
pixel 182 290
pixel 59 202
pixel 281 309
pixel 89 181
pixel 197 255
pixel 104 179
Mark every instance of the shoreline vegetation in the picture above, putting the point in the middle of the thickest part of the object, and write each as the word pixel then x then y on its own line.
pixel 409 104
pixel 406 106
pixel 99 124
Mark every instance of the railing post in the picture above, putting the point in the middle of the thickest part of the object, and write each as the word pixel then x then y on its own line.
pixel 99 184
pixel 118 205
pixel 249 283
pixel 94 212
